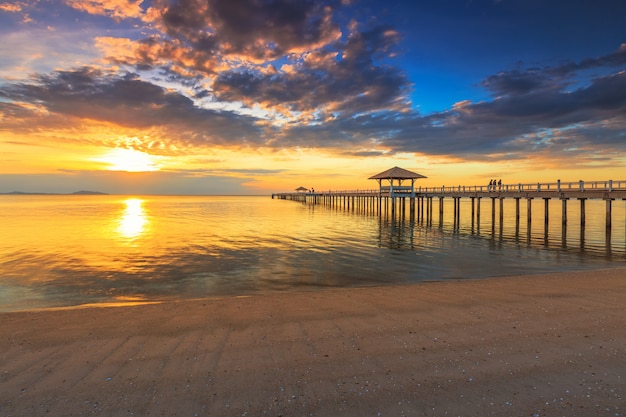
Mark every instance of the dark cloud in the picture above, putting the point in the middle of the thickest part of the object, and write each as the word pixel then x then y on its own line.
pixel 518 82
pixel 285 56
pixel 605 94
pixel 364 154
pixel 534 114
pixel 612 60
pixel 256 29
pixel 524 121
pixel 522 81
pixel 346 79
pixel 584 118
pixel 127 101
pixel 555 107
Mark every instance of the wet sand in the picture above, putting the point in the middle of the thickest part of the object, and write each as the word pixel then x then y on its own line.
pixel 543 345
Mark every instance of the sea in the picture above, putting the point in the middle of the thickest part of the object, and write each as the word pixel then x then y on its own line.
pixel 69 251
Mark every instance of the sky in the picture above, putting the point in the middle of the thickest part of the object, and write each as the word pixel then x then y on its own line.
pixel 260 96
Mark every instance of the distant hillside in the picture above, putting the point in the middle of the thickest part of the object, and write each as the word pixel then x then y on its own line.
pixel 83 192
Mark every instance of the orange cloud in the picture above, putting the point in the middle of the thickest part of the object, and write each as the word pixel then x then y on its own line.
pixel 116 9
pixel 11 7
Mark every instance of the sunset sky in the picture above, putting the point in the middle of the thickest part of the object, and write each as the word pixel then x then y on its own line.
pixel 262 96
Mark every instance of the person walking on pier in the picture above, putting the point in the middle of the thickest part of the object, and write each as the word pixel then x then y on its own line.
pixel 490 185
pixel 499 185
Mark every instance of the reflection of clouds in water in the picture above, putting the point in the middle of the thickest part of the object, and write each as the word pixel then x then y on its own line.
pixel 133 221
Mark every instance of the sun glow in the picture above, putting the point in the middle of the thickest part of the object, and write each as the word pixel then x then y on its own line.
pixel 129 160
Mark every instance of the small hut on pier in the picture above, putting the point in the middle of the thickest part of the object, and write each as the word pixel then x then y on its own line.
pixel 396 177
pixel 302 189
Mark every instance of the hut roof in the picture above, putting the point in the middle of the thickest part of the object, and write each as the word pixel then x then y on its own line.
pixel 302 189
pixel 396 173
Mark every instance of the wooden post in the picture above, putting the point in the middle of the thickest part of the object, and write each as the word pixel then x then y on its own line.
pixel 582 212
pixel 546 209
pixel 529 210
pixel 517 211
pixel 440 209
pixel 608 212
pixel 454 210
pixel 429 206
pixel 564 210
pixel 420 206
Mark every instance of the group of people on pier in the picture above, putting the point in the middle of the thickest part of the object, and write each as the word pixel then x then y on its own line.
pixel 495 185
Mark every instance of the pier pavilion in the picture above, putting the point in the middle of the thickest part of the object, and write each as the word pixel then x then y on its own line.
pixel 396 176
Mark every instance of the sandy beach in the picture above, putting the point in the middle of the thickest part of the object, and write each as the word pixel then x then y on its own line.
pixel 542 345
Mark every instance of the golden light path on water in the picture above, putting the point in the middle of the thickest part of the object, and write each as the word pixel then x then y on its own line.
pixel 60 251
pixel 134 221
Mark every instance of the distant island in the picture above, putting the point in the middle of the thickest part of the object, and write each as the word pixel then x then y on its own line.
pixel 82 192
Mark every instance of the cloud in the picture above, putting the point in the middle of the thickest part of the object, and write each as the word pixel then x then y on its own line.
pixel 526 119
pixel 181 183
pixel 534 114
pixel 116 9
pixel 214 35
pixel 537 120
pixel 523 81
pixel 14 7
pixel 89 94
pixel 250 29
pixel 292 77
pixel 325 82
pixel 517 82
pixel 208 48
pixel 614 59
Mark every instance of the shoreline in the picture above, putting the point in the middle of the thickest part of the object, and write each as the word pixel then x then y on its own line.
pixel 548 344
pixel 290 291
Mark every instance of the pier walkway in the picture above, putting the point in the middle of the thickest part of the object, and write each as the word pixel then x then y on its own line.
pixel 421 198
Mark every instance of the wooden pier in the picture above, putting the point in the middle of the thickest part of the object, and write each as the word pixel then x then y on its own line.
pixel 420 199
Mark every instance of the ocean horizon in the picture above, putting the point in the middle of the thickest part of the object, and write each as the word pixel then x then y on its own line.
pixel 66 251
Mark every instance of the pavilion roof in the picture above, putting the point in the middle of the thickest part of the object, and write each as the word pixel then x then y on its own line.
pixel 396 173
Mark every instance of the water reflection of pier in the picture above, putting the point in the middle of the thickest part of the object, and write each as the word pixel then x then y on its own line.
pixel 417 204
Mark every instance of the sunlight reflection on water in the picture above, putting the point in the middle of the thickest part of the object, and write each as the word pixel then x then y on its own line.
pixel 134 221
pixel 58 251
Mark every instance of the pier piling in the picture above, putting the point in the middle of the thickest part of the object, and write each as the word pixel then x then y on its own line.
pixel 393 200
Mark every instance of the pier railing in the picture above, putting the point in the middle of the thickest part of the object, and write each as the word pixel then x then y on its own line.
pixel 559 186
pixel 536 187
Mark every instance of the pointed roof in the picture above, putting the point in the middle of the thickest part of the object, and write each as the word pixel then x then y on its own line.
pixel 396 173
pixel 302 189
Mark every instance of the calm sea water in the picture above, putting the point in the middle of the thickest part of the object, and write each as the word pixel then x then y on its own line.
pixel 63 251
